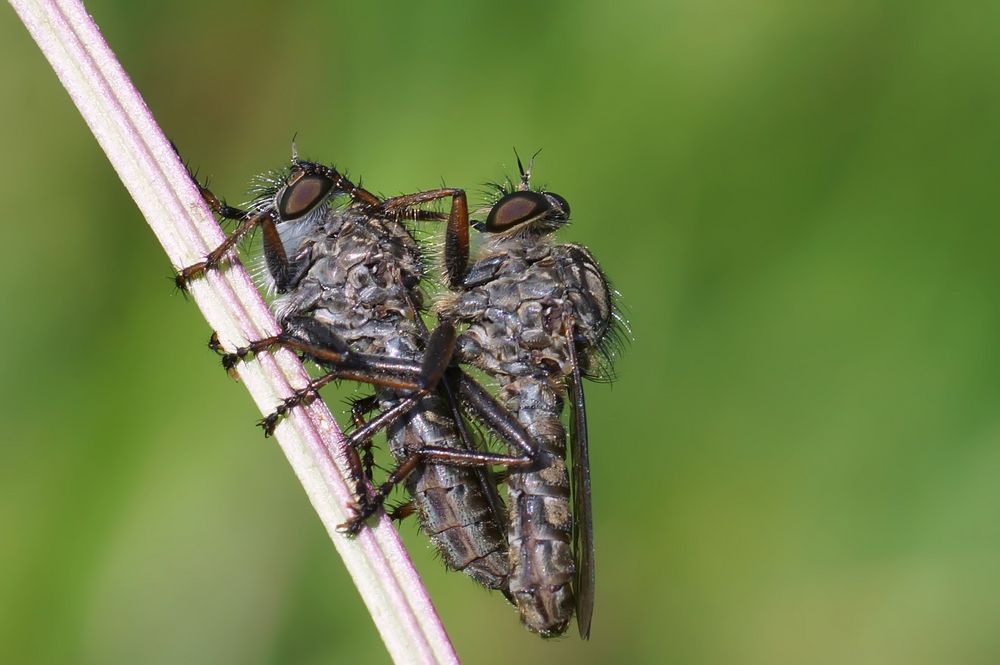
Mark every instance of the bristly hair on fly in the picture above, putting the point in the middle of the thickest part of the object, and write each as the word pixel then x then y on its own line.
pixel 263 189
pixel 496 190
pixel 616 338
pixel 431 241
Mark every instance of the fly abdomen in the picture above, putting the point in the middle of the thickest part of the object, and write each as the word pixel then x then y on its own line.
pixel 541 522
pixel 459 521
pixel 450 501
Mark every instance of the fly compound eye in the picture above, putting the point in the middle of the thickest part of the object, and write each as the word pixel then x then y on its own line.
pixel 516 208
pixel 559 203
pixel 302 196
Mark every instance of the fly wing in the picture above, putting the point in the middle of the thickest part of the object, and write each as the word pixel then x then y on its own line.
pixel 583 521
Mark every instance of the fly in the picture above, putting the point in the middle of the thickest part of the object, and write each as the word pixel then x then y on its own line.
pixel 540 317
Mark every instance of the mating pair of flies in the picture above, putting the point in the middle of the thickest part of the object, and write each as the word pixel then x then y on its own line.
pixel 534 316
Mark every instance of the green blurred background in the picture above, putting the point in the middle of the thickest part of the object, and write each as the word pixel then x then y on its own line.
pixel 800 460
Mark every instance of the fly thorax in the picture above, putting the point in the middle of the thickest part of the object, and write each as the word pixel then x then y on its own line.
pixel 515 316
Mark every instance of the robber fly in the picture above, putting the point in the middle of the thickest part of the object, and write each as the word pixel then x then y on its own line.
pixel 541 316
pixel 348 284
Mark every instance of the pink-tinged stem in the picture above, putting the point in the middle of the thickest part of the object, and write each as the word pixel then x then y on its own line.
pixel 310 438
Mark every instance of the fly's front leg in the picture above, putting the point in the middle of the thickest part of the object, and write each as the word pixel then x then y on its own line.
pixel 248 221
pixel 273 249
pixel 307 186
pixel 456 246
pixel 219 206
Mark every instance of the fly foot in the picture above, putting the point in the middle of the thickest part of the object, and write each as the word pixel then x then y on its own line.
pixel 300 397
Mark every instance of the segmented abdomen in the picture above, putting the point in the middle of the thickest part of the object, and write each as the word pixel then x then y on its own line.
pixel 541 522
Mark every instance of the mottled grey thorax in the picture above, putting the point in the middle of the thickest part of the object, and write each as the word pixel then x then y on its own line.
pixel 360 276
pixel 523 295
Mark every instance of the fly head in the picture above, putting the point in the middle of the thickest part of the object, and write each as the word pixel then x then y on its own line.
pixel 541 212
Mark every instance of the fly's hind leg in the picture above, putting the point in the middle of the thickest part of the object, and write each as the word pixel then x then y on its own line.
pixel 360 408
pixel 299 397
pixel 485 409
pixel 361 459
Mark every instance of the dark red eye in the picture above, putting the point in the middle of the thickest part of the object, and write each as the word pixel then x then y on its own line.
pixel 516 208
pixel 301 196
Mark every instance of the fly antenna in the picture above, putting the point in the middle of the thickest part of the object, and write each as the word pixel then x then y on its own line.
pixel 525 173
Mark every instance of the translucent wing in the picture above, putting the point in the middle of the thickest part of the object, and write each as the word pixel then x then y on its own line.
pixel 583 522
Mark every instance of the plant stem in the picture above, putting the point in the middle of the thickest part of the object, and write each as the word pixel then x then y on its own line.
pixel 310 438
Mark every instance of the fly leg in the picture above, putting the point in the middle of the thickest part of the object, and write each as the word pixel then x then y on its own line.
pixel 224 211
pixel 456 248
pixel 212 260
pixel 401 511
pixel 433 454
pixel 315 341
pixel 247 223
pixel 404 205
pixel 486 410
pixel 487 478
pixel 414 380
pixel 327 348
pixel 359 409
pixel 299 397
